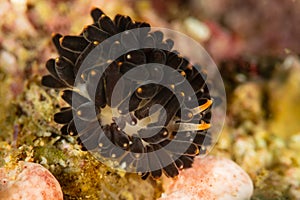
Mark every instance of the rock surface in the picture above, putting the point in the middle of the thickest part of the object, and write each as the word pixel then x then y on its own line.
pixel 28 181
pixel 210 178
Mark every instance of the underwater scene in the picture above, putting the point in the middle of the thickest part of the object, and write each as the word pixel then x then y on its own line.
pixel 149 99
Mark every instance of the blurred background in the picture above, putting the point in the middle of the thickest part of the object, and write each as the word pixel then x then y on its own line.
pixel 256 45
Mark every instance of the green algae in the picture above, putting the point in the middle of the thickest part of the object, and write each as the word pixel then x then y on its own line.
pixel 36 138
pixel 93 180
pixel 6 120
pixel 29 133
pixel 261 133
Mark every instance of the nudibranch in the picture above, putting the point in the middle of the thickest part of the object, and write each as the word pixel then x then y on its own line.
pixel 140 128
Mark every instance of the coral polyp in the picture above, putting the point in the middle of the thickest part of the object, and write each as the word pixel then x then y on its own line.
pixel 143 118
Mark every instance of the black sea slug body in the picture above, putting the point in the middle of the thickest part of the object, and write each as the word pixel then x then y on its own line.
pixel 140 128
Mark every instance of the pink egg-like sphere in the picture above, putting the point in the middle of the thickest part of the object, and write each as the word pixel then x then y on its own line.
pixel 28 181
pixel 210 178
